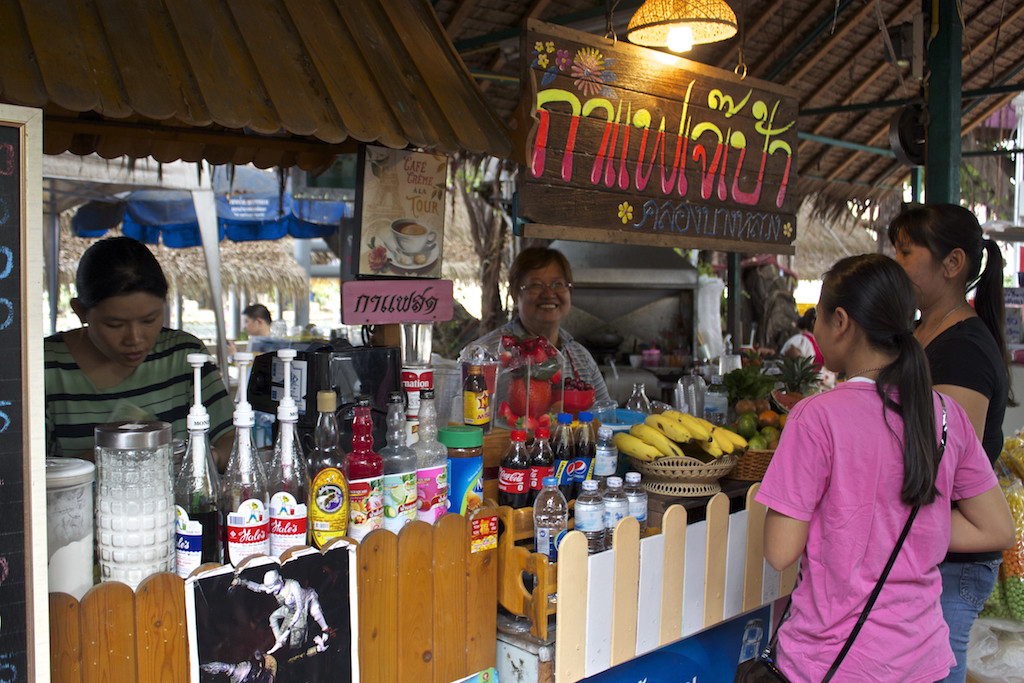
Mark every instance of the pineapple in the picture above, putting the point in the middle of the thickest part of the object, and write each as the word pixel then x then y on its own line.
pixel 799 375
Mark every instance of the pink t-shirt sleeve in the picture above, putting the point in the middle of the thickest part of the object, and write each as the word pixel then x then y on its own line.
pixel 798 474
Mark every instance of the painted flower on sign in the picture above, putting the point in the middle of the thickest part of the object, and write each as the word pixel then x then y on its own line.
pixel 787 229
pixel 542 61
pixel 625 212
pixel 562 60
pixel 589 68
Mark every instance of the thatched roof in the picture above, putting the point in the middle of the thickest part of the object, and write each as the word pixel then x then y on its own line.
pixel 252 266
pixel 824 238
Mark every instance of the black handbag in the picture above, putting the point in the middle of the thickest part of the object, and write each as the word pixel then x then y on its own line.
pixel 763 668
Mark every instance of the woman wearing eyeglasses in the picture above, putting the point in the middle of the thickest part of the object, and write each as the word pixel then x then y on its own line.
pixel 540 280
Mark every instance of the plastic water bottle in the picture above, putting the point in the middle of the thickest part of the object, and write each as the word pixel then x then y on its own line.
pixel 589 516
pixel 636 496
pixel 606 456
pixel 550 519
pixel 716 401
pixel 616 507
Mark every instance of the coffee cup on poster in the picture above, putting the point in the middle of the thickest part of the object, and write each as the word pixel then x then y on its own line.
pixel 411 236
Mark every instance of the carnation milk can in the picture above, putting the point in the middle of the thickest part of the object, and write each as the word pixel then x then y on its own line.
pixel 69 537
pixel 134 500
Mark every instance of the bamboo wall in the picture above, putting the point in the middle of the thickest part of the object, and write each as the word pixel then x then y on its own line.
pixel 447 596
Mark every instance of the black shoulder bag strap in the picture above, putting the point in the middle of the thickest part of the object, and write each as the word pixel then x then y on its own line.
pixel 888 567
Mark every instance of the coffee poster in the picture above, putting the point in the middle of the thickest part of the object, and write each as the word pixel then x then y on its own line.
pixel 401 209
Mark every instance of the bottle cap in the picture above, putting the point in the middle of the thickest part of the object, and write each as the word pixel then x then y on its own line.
pixel 590 484
pixel 564 419
pixel 198 419
pixel 395 397
pixel 326 401
pixel 461 436
pixel 632 477
pixel 586 416
pixel 542 433
pixel 604 432
pixel 427 393
pixel 716 379
pixel 363 401
pixel 550 481
pixel 518 435
pixel 615 482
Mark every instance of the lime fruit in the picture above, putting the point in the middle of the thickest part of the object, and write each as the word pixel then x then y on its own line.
pixel 757 443
pixel 770 434
pixel 747 424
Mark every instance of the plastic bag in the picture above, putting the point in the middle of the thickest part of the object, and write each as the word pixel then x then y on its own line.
pixel 995 653
pixel 709 315
pixel 1007 599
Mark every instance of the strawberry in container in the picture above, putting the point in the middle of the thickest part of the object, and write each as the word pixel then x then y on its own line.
pixel 529 375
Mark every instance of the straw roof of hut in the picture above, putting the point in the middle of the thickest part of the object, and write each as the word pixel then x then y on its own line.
pixel 822 238
pixel 251 266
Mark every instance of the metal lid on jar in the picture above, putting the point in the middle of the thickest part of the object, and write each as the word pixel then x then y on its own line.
pixel 133 434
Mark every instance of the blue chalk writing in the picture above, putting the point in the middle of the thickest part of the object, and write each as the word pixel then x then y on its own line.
pixel 8 261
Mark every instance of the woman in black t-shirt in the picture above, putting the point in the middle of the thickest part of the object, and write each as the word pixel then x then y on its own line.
pixel 941 247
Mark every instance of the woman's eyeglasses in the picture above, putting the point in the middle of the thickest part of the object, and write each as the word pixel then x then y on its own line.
pixel 537 288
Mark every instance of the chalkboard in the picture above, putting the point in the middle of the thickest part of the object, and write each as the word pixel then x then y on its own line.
pixel 19 574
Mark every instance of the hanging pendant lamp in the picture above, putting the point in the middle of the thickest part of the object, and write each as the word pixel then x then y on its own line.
pixel 681 24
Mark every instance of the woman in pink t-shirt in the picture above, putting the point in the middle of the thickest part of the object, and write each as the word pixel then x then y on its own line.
pixel 851 465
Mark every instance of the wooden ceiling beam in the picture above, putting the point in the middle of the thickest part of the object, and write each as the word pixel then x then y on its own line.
pixel 833 40
pixel 758 24
pixel 459 16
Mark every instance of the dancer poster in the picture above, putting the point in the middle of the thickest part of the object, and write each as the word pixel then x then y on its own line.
pixel 266 622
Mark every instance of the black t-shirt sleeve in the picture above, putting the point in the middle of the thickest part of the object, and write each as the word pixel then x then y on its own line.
pixel 954 362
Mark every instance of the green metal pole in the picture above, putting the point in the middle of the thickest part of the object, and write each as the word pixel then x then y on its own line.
pixel 942 147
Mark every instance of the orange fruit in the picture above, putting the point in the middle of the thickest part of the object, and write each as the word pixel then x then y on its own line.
pixel 782 421
pixel 768 418
pixel 745 405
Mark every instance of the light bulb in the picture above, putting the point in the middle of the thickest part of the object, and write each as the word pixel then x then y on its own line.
pixel 680 38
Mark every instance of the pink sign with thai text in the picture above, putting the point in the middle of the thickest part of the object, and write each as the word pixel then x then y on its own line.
pixel 379 302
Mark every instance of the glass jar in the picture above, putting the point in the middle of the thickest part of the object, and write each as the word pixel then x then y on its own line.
pixel 134 500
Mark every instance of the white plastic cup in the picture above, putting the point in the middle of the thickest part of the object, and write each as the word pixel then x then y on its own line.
pixel 69 525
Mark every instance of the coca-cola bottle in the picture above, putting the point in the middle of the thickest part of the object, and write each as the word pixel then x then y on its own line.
pixel 514 473
pixel 328 490
pixel 365 476
pixel 288 478
pixel 564 446
pixel 542 461
pixel 244 499
pixel 399 469
pixel 197 524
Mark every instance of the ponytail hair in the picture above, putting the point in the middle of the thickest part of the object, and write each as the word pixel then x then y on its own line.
pixel 941 228
pixel 877 295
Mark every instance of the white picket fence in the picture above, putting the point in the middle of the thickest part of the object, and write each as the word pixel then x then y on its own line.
pixel 642 594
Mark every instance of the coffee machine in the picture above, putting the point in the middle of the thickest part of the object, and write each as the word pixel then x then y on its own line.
pixel 349 371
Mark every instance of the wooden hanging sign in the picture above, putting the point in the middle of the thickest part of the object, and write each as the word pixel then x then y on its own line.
pixel 380 302
pixel 620 143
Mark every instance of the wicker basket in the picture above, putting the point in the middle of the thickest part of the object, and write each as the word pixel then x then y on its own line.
pixel 752 465
pixel 684 476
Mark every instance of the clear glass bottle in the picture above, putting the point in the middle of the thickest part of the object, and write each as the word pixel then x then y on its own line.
pixel 589 516
pixel 550 519
pixel 288 476
pixel 606 456
pixel 245 498
pixel 365 476
pixel 399 469
pixel 616 507
pixel 716 401
pixel 638 400
pixel 328 490
pixel 431 464
pixel 636 496
pixel 196 486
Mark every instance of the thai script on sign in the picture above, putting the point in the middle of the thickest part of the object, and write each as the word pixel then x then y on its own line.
pixel 415 302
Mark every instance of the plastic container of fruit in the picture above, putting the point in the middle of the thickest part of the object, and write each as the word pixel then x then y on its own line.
pixel 624 419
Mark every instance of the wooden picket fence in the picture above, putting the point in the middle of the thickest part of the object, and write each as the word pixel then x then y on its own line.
pixel 448 598
pixel 661 588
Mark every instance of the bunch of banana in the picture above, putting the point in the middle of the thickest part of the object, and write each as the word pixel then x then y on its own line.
pixel 665 435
